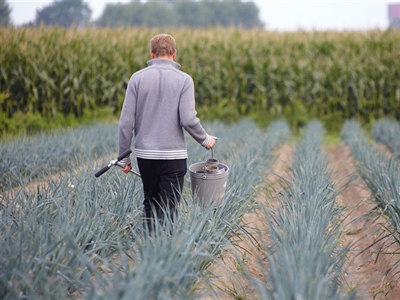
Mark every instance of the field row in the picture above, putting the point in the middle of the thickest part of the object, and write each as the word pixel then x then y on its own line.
pixel 66 234
pixel 72 235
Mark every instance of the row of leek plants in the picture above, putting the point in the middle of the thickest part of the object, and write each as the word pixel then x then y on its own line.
pixel 175 265
pixel 48 231
pixel 381 174
pixel 38 156
pixel 304 256
pixel 387 132
pixel 77 236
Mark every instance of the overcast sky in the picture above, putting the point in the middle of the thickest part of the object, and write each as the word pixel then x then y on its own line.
pixel 277 15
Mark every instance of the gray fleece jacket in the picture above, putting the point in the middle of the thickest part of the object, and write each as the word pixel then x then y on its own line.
pixel 159 103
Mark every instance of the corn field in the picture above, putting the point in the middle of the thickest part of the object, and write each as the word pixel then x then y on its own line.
pixel 333 76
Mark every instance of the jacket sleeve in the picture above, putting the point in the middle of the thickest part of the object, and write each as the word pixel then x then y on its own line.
pixel 126 123
pixel 188 115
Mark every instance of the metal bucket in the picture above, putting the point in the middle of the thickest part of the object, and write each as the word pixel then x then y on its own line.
pixel 209 181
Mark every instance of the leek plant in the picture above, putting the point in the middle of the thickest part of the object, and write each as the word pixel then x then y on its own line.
pixel 380 173
pixel 173 266
pixel 304 254
pixel 77 236
pixel 47 232
pixel 387 132
pixel 35 157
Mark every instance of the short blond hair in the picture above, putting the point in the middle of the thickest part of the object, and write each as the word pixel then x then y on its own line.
pixel 163 45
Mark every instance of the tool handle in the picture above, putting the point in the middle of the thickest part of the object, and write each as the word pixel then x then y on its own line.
pixel 112 163
pixel 125 154
pixel 102 170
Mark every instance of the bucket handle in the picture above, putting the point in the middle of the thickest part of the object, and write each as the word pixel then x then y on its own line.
pixel 212 149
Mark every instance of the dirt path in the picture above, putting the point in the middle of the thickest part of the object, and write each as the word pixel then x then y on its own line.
pixel 229 281
pixel 365 271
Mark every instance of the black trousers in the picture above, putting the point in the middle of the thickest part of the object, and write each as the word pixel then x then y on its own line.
pixel 162 185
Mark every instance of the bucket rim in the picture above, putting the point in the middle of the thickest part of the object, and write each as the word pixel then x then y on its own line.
pixel 196 167
pixel 192 166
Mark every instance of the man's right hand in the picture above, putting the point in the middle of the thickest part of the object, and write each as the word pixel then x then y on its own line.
pixel 127 168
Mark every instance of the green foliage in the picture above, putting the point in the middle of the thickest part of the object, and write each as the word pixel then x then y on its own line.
pixel 304 253
pixel 52 234
pixel 64 13
pixel 30 157
pixel 331 76
pixel 382 176
pixel 31 123
pixel 387 132
pixel 5 12
pixel 181 14
pixel 72 235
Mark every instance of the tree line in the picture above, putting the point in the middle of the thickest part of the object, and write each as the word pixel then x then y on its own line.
pixel 182 13
pixel 4 13
pixel 166 13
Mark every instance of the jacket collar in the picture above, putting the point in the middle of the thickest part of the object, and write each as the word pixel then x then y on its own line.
pixel 163 62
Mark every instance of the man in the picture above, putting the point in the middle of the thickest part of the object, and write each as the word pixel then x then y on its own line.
pixel 159 104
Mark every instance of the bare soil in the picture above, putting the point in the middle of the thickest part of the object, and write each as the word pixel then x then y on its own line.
pixel 369 257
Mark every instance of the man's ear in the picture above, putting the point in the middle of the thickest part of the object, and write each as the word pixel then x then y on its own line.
pixel 152 55
pixel 174 55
